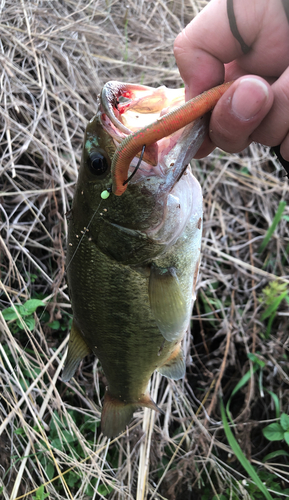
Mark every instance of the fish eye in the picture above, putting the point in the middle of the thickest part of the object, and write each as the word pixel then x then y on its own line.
pixel 97 163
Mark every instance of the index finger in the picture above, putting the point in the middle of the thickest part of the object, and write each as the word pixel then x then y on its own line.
pixel 207 43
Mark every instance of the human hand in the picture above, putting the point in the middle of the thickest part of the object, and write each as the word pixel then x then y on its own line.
pixel 256 106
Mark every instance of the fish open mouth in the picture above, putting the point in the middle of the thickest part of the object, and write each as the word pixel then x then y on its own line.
pixel 170 123
pixel 127 107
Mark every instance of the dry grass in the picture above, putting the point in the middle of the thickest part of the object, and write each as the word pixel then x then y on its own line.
pixel 54 58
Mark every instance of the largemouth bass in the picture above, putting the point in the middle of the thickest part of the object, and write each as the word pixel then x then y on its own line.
pixel 132 260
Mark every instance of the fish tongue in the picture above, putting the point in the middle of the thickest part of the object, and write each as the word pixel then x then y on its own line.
pixel 156 100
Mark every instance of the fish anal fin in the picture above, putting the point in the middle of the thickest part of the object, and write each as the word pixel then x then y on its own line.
pixel 146 401
pixel 117 414
pixel 77 350
pixel 167 302
pixel 174 367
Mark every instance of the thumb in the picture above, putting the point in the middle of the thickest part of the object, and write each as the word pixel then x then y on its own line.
pixel 239 112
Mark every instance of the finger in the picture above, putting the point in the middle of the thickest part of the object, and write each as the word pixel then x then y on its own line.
pixel 237 114
pixel 284 148
pixel 206 44
pixel 274 129
pixel 203 47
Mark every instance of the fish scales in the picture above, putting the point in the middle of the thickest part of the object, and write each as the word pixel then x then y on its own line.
pixel 121 310
pixel 132 266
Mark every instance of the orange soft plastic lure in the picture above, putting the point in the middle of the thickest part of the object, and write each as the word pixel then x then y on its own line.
pixel 164 126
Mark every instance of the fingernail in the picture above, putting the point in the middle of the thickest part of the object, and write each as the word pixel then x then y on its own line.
pixel 249 98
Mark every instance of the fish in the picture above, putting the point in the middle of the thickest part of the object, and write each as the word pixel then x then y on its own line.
pixel 134 242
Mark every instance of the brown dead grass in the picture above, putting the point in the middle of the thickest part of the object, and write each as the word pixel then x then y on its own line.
pixel 54 59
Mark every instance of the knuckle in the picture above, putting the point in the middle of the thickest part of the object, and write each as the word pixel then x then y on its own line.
pixel 181 44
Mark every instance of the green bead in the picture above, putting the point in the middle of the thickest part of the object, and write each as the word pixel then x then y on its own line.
pixel 105 194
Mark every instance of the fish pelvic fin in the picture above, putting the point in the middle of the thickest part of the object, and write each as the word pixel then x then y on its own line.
pixel 77 350
pixel 117 414
pixel 174 367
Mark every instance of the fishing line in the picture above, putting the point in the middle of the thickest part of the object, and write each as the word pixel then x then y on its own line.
pixel 84 233
pixel 80 241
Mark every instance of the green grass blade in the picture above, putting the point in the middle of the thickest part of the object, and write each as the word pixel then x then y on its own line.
pixel 274 305
pixel 276 402
pixel 240 455
pixel 273 226
pixel 269 326
pixel 239 385
pixel 274 454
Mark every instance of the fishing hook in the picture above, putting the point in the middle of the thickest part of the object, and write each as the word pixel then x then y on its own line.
pixel 137 167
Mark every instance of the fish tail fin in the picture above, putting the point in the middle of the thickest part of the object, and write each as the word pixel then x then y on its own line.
pixel 116 414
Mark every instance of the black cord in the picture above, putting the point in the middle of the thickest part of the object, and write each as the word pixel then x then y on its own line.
pixel 234 28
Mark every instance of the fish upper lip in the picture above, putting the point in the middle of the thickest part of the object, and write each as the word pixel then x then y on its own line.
pixel 144 105
pixel 109 96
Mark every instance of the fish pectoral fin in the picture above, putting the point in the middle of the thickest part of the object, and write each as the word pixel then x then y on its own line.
pixel 167 302
pixel 174 367
pixel 117 414
pixel 77 350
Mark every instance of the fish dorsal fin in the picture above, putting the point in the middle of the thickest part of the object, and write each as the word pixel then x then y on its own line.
pixel 174 367
pixel 77 350
pixel 167 302
pixel 116 414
